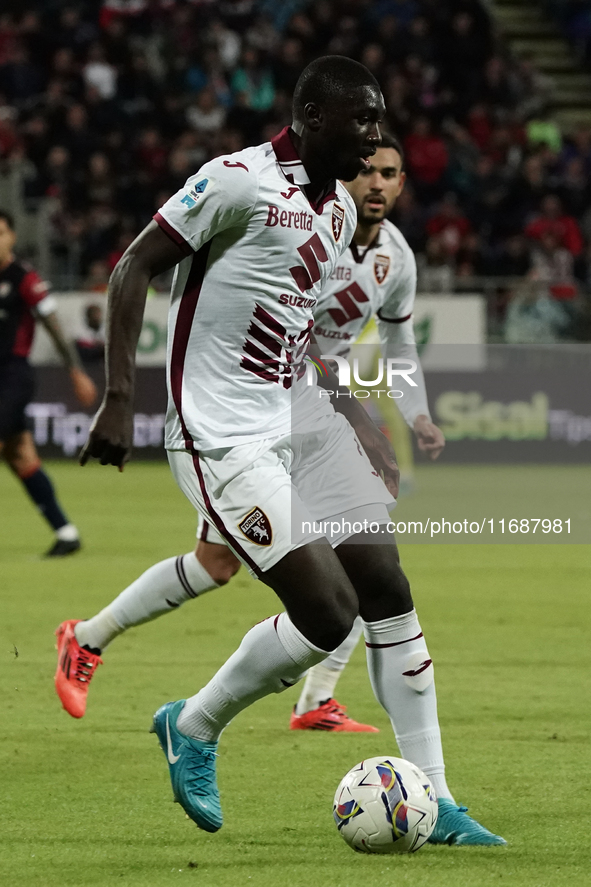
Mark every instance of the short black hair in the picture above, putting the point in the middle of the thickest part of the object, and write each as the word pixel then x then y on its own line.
pixel 390 141
pixel 6 217
pixel 326 79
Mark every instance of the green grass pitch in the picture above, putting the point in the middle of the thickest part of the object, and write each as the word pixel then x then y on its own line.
pixel 89 802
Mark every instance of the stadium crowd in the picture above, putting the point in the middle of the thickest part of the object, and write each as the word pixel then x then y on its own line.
pixel 108 107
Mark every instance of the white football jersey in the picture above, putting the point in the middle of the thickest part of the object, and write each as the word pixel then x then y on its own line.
pixel 378 281
pixel 259 252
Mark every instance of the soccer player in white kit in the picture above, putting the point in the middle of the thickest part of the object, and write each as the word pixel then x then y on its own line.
pixel 250 271
pixel 375 276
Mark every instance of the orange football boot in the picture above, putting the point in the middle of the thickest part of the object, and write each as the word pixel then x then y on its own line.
pixel 330 716
pixel 75 668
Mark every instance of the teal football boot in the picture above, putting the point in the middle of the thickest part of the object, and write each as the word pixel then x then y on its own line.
pixel 192 768
pixel 454 826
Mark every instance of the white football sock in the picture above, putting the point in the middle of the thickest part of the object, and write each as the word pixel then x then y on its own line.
pixel 67 533
pixel 272 656
pixel 401 674
pixel 321 680
pixel 162 588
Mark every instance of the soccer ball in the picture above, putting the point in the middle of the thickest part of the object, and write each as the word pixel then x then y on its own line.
pixel 385 805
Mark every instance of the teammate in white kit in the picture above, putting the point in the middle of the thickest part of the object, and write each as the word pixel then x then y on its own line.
pixel 241 317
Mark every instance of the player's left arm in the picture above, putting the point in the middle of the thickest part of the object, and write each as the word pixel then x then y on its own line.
pixel 377 446
pixel 34 291
pixel 397 338
pixel 84 387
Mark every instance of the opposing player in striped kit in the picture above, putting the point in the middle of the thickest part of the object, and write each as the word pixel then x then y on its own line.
pixel 250 272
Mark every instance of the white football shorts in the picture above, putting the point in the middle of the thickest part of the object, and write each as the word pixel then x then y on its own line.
pixel 269 497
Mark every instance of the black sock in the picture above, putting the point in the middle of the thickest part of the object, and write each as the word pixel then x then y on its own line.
pixel 40 489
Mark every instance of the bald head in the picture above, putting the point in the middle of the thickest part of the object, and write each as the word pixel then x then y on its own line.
pixel 330 80
pixel 337 109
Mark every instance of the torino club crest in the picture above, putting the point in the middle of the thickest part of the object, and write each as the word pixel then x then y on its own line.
pixel 338 217
pixel 381 266
pixel 257 527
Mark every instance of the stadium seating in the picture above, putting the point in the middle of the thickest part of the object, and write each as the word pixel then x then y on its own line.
pixel 104 112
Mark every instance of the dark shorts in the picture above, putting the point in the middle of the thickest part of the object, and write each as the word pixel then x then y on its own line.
pixel 17 386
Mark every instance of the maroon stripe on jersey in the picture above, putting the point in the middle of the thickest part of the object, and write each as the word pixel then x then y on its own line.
pixel 264 338
pixel 247 364
pixel 267 361
pixel 182 331
pixel 173 234
pixel 393 319
pixel 204 532
pixel 307 332
pixel 217 520
pixel 180 341
pixel 271 322
pixel 395 644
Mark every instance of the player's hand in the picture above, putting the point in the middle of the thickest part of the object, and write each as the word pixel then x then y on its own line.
pixel 430 438
pixel 84 387
pixel 111 433
pixel 380 454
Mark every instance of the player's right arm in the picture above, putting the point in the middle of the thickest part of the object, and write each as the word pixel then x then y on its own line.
pixel 220 196
pixel 151 253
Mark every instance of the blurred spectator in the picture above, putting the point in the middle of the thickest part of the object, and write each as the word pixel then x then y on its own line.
pixel 464 48
pixel 151 154
pixel 20 78
pixel 106 109
pixel 404 11
pixel 226 41
pixel 419 41
pixel 75 136
pixel 427 158
pixel 487 196
pixel 205 115
pixel 552 220
pixel 99 182
pixel 345 40
pixel 435 274
pixel 470 260
pixel 573 187
pixel 578 145
pixel 90 341
pixel 497 89
pixel 532 88
pixel 409 216
pixel 463 159
pixel 124 240
pixel 255 81
pixel 513 258
pixel 288 65
pixel 553 265
pixel 449 224
pixel 98 72
pixel 480 125
pixel 543 130
pixel 527 190
pixel 96 281
pixel 534 318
